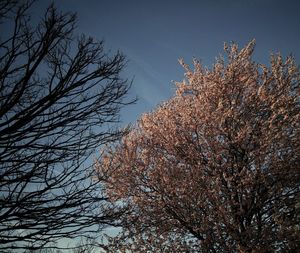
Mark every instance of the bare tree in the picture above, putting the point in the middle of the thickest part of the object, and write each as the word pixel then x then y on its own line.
pixel 59 95
pixel 216 167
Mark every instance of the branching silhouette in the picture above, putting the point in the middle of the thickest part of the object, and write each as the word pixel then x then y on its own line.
pixel 59 95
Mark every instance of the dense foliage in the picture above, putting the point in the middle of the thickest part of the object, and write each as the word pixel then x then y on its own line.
pixel 215 168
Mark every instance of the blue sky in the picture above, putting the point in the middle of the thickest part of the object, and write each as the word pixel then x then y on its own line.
pixel 154 34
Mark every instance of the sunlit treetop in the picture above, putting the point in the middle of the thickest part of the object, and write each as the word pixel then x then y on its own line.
pixel 215 168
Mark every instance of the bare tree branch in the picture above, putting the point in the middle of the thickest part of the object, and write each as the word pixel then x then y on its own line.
pixel 59 96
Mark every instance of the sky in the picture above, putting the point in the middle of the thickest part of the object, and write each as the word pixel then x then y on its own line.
pixel 154 34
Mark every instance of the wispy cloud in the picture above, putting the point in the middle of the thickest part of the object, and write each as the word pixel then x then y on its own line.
pixel 149 83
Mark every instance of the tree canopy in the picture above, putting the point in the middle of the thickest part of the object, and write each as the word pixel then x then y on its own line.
pixel 216 167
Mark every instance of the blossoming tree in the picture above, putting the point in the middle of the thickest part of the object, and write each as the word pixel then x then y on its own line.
pixel 215 168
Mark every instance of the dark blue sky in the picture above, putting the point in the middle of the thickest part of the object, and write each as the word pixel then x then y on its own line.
pixel 154 34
